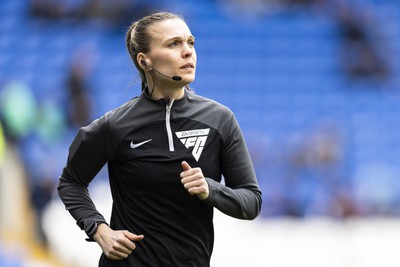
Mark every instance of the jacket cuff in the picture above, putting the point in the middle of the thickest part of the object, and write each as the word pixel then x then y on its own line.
pixel 92 229
pixel 213 187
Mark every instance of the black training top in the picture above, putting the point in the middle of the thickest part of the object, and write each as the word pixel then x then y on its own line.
pixel 144 142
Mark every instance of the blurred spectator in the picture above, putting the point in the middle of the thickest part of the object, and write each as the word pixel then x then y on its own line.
pixel 361 44
pixel 46 8
pixel 42 153
pixel 119 12
pixel 81 66
pixel 345 204
pixel 41 159
pixel 18 109
pixel 361 56
pixel 116 12
pixel 314 175
pixel 325 158
pixel 34 127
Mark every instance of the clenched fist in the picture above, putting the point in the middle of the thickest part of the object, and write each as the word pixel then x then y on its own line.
pixel 194 181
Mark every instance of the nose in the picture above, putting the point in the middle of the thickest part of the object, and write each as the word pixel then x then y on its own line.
pixel 187 51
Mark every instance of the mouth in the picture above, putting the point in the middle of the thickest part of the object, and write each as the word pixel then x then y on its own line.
pixel 188 66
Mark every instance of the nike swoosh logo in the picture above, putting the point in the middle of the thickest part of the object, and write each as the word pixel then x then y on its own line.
pixel 133 145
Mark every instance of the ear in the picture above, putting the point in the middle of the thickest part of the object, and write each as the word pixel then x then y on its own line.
pixel 141 59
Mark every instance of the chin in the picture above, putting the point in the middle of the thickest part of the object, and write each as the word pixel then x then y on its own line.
pixel 188 79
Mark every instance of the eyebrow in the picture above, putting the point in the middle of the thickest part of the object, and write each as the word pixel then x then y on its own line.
pixel 177 37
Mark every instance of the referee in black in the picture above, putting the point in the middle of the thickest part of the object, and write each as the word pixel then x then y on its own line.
pixel 167 151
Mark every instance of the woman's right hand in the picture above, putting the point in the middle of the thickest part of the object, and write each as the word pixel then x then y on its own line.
pixel 116 245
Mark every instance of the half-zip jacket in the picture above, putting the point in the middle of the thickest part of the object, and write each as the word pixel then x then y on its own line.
pixel 143 143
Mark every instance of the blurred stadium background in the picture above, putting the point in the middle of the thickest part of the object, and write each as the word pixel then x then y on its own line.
pixel 315 85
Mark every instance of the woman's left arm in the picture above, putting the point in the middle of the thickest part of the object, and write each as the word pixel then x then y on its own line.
pixel 240 195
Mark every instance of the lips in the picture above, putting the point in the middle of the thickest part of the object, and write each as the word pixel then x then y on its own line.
pixel 188 66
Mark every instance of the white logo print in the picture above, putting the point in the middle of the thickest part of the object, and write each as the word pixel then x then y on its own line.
pixel 133 145
pixel 194 138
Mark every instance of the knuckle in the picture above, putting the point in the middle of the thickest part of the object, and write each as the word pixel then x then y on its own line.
pixel 119 239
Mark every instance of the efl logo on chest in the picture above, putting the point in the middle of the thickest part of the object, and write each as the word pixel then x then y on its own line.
pixel 194 138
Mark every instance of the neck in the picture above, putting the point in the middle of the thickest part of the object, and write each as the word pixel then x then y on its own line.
pixel 173 93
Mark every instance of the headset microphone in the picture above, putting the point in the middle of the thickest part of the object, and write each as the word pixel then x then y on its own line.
pixel 175 77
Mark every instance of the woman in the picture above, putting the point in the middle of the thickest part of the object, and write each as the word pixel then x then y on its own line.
pixel 166 152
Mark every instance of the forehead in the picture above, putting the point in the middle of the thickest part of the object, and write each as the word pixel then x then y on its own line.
pixel 166 29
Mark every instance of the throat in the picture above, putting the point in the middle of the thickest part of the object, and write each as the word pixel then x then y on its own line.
pixel 171 94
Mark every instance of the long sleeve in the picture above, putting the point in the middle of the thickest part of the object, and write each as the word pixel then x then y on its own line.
pixel 240 196
pixel 87 155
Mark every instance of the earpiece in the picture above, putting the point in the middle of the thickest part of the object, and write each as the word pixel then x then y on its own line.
pixel 144 63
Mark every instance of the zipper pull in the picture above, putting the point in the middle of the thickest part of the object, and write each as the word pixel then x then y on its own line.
pixel 169 105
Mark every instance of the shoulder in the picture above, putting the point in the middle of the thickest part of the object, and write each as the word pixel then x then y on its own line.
pixel 212 113
pixel 110 119
pixel 106 130
pixel 121 110
pixel 208 103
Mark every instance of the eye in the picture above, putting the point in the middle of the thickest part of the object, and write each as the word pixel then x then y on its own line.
pixel 191 42
pixel 174 43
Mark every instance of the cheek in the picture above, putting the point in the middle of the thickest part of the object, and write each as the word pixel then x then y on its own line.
pixel 163 58
pixel 194 56
pixel 159 58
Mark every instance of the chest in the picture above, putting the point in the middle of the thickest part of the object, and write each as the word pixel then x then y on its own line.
pixel 151 154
